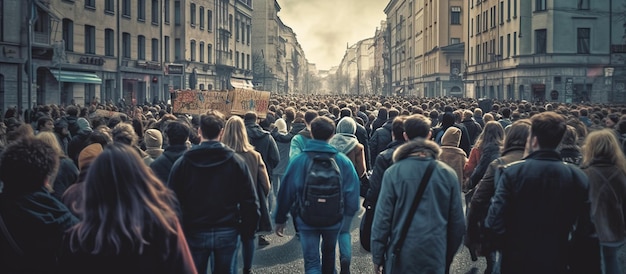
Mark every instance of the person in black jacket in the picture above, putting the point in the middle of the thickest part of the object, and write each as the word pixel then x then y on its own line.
pixel 217 197
pixel 177 134
pixel 382 136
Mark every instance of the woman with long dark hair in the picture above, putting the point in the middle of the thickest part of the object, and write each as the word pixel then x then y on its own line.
pixel 128 224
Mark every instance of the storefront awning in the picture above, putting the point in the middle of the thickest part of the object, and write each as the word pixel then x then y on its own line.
pixel 75 76
pixel 241 83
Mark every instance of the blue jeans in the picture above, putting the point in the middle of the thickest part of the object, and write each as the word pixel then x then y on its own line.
pixel 247 248
pixel 610 259
pixel 219 244
pixel 310 241
pixel 345 241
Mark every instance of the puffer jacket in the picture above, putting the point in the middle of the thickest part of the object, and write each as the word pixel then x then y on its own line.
pixel 437 228
pixel 380 139
pixel 383 161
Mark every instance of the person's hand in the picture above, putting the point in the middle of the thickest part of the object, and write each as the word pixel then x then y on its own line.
pixel 280 229
pixel 378 269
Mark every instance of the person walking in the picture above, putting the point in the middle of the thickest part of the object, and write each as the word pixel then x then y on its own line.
pixel 236 137
pixel 525 223
pixel 435 232
pixel 346 142
pixel 32 221
pixel 605 165
pixel 177 135
pixel 293 188
pixel 128 224
pixel 217 197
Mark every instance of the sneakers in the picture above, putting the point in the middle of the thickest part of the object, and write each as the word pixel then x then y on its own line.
pixel 263 241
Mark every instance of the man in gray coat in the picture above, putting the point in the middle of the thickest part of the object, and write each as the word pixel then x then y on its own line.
pixel 438 225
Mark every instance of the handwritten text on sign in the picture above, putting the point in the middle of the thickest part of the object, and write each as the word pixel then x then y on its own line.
pixel 198 102
pixel 245 100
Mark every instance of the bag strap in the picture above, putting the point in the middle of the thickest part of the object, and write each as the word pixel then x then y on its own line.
pixel 9 237
pixel 416 201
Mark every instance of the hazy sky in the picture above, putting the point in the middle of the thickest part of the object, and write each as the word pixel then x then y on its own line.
pixel 324 27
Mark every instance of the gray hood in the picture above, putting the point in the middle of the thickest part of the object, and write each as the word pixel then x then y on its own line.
pixel 344 142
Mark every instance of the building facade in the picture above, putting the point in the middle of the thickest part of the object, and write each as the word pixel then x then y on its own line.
pixel 546 50
pixel 121 50
pixel 268 47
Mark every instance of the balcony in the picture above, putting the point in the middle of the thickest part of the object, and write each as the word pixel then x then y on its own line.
pixel 223 58
pixel 41 38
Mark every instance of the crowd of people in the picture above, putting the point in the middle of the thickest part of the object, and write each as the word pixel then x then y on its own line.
pixel 145 190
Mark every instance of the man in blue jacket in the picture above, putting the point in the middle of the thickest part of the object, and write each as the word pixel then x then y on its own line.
pixel 322 129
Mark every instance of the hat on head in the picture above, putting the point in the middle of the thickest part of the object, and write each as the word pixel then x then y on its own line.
pixel 451 137
pixel 83 124
pixel 346 125
pixel 153 138
pixel 281 125
pixel 88 154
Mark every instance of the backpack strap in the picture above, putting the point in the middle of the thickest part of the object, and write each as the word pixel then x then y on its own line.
pixel 416 201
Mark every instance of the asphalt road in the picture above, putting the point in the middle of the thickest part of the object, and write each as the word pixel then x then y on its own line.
pixel 284 255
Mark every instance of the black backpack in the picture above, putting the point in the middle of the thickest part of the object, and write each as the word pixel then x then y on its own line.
pixel 321 203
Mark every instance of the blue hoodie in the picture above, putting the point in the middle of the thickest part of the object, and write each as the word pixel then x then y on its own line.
pixel 292 184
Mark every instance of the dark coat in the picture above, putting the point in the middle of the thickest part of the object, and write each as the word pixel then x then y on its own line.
pixel 66 176
pixel 473 129
pixel 383 161
pixel 607 193
pixel 162 165
pixel 264 143
pixel 537 203
pixel 215 190
pixel 488 153
pixel 380 139
pixel 37 222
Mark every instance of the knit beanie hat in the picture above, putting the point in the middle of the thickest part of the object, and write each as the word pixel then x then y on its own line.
pixel 83 124
pixel 452 137
pixel 281 125
pixel 153 138
pixel 88 154
pixel 346 125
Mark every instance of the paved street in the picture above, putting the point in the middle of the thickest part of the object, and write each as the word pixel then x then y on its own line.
pixel 284 255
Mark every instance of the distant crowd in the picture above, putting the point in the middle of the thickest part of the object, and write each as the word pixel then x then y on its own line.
pixel 143 190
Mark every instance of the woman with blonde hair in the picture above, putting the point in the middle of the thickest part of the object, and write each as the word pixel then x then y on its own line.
pixel 236 137
pixel 129 222
pixel 605 166
pixel 67 173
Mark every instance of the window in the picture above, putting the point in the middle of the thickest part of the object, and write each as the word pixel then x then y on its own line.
pixel 508 45
pixel 248 33
pixel 455 15
pixel 501 46
pixel 126 45
pixel 471 29
pixel 155 49
pixel 237 30
pixel 540 41
pixel 109 6
pixel 583 4
pixel 478 24
pixel 508 10
pixel 209 53
pixel 248 61
pixel 237 59
pixel 455 41
pixel 230 23
pixel 192 14
pixel 166 48
pixel 166 11
pixel 155 12
pixel 109 42
pixel 193 50
pixel 501 12
pixel 209 20
pixel 584 35
pixel 90 4
pixel 141 47
pixel 201 19
pixel 514 43
pixel 141 10
pixel 243 32
pixel 478 61
pixel 540 5
pixel 201 50
pixel 177 49
pixel 243 56
pixel 177 13
pixel 514 8
pixel 68 34
pixel 126 8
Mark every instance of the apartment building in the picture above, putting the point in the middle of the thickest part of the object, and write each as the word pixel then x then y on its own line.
pixel 357 68
pixel 546 50
pixel 268 47
pixel 136 50
pixel 426 47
